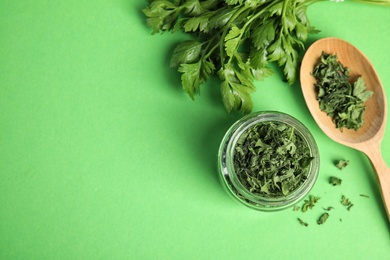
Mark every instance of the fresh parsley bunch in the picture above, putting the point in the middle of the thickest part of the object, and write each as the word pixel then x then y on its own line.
pixel 235 39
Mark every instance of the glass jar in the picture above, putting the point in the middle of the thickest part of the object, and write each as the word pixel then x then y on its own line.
pixel 235 187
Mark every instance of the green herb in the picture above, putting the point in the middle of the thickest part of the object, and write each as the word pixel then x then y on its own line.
pixel 341 164
pixel 271 159
pixel 365 196
pixel 335 181
pixel 296 208
pixel 340 99
pixel 303 223
pixel 235 39
pixel 346 202
pixel 309 203
pixel 322 218
pixel 328 208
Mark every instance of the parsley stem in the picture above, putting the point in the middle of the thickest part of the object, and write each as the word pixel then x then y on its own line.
pixel 257 14
pixel 211 50
pixel 286 4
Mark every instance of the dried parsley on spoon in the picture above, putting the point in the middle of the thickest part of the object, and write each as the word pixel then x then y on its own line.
pixel 342 100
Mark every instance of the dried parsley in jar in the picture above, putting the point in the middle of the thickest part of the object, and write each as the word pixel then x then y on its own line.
pixel 268 160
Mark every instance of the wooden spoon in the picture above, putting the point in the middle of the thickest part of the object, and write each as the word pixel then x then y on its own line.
pixel 368 138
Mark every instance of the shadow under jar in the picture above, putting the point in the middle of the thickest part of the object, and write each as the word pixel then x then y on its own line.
pixel 268 161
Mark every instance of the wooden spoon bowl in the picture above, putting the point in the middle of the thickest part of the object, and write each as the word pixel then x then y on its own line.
pixel 366 139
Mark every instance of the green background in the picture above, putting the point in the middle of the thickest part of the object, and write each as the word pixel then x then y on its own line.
pixel 103 156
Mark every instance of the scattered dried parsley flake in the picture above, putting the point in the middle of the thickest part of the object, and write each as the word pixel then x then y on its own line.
pixel 335 181
pixel 341 164
pixel 323 218
pixel 328 208
pixel 303 223
pixel 309 204
pixel 346 202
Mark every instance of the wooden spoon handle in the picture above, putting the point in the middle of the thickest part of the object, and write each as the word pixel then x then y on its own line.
pixel 382 172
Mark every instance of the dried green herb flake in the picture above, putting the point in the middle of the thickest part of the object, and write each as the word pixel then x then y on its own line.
pixel 323 218
pixel 335 181
pixel 346 202
pixel 328 208
pixel 303 223
pixel 271 159
pixel 342 100
pixel 309 203
pixel 341 164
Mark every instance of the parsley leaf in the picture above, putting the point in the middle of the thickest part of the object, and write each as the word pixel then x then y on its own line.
pixel 194 74
pixel 232 40
pixel 186 52
pixel 235 92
